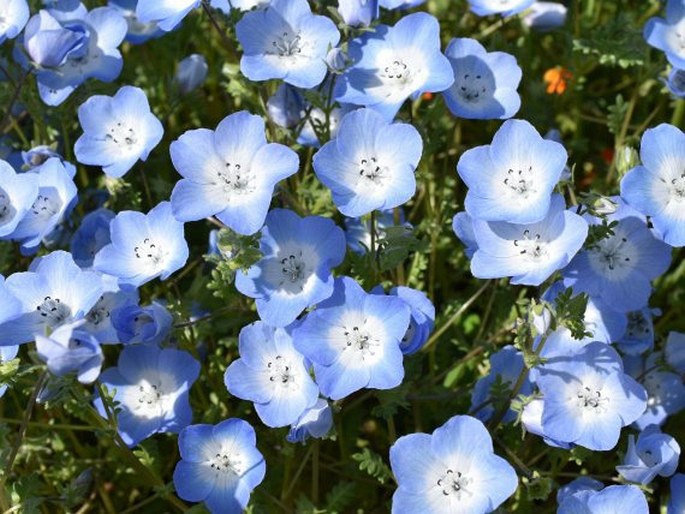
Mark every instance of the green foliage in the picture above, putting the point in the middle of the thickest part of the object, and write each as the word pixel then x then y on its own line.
pixel 373 464
pixel 616 42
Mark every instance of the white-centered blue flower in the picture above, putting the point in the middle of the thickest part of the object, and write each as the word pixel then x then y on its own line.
pixel 503 7
pixel 118 131
pixel 165 13
pixel 18 191
pixel 624 499
pixel 654 453
pixel 315 422
pixel 70 349
pixel 13 16
pixel 668 35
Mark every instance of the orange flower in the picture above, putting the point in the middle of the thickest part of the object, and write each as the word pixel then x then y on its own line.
pixel 427 96
pixel 556 78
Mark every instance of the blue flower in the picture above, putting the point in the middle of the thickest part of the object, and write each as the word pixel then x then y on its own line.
pixel 91 236
pixel 358 12
pixel 138 32
pixel 655 453
pixel 286 41
pixel 191 73
pixel 295 269
pixel 528 253
pixel 230 172
pixel 484 82
pixel 70 349
pixel 37 156
pixel 166 13
pixel 454 469
pixel 141 325
pixel 587 398
pixel 545 16
pixel 10 306
pixel 462 226
pixel 667 34
pixel 99 318
pixel 505 367
pixel 657 188
pixel 53 293
pixel 14 14
pixel 56 198
pixel 72 50
pixel 676 82
pixel 220 465
pixel 676 505
pixel 512 179
pixel 272 374
pixel 286 106
pixel 118 131
pixel 639 334
pixel 144 246
pixel 626 499
pixel 582 483
pixel 314 422
pixel 675 351
pixel 370 164
pixel 152 387
pixel 617 270
pixel 17 194
pixel 353 340
pixel 393 63
pixel 503 7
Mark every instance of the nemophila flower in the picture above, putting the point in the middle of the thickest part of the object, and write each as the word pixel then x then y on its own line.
pixel 10 306
pixel 358 12
pixel 272 374
pixel 392 64
pixel 358 230
pixel 286 106
pixel 503 7
pixel 7 353
pixel 657 188
pixel 484 82
pixel 18 192
pixel 462 226
pixel 545 16
pixel 655 453
pixel 38 155
pixel 582 483
pixel 70 50
pixel 528 253
pixel 144 246
pixel 422 317
pixel 353 340
pixel 400 4
pixel 53 293
pixel 505 367
pixel 626 499
pixel 165 13
pixel 674 352
pixel 454 469
pixel 69 349
pixel 138 32
pixel 370 164
pixel 141 325
pixel 191 73
pixel 531 420
pixel 587 398
pixel 284 40
pixel 314 422
pixel 676 505
pixel 56 198
pixel 668 35
pixel 229 173
pixel 91 236
pixel 117 131
pixel 617 270
pixel 639 334
pixel 13 16
pixel 676 82
pixel 99 319
pixel 295 269
pixel 512 179
pixel 220 465
pixel 152 387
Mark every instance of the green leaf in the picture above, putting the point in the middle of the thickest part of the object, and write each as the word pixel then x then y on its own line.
pixel 373 464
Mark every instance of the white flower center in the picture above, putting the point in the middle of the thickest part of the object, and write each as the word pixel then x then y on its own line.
pixel 149 396
pixel 280 372
pixel 53 311
pixel 98 313
pixel 531 246
pixel 520 182
pixel 373 171
pixel 7 212
pixel 676 187
pixel 591 400
pixel 612 256
pixel 47 204
pixel 122 135
pixel 293 268
pixel 236 179
pixel 224 462
pixel 149 252
pixel 454 483
pixel 360 341
pixel 638 325
pixel 287 45
pixel 472 88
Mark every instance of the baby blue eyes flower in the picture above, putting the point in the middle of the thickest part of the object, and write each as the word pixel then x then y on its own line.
pixel 676 82
pixel 657 187
pixel 528 253
pixel 91 236
pixel 393 63
pixel 454 469
pixel 370 164
pixel 422 317
pixel 545 16
pixel 512 179
pixel 191 73
pixel 152 387
pixel 166 13
pixel 503 7
pixel 99 318
pixel 70 349
pixel 272 374
pixel 626 499
pixel 587 398
pixel 13 16
pixel 315 422
pixel 655 453
pixel 675 351
pixel 286 41
pixel 138 32
pixel 220 465
pixel 484 82
pixel 18 191
pixel 295 269
pixel 118 131
pixel 141 325
pixel 676 504
pixel 144 246
pixel 353 340
pixel 668 35
pixel 229 173
pixel 358 12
